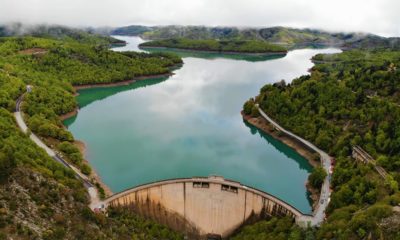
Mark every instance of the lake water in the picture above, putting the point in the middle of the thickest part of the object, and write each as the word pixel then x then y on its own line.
pixel 190 125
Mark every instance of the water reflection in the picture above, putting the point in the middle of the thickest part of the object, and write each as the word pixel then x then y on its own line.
pixel 282 148
pixel 132 44
pixel 90 95
pixel 210 55
pixel 190 125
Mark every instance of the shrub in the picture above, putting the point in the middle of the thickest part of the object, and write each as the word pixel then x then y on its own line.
pixel 317 177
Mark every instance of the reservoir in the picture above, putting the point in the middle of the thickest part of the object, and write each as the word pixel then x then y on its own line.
pixel 190 124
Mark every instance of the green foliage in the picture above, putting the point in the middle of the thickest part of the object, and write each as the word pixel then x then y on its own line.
pixel 72 152
pixel 254 111
pixel 351 98
pixel 86 169
pixel 57 32
pixel 317 177
pixel 30 179
pixel 248 106
pixel 273 229
pixel 291 37
pixel 138 228
pixel 250 46
pixel 78 59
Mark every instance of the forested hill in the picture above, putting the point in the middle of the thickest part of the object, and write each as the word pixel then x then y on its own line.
pixel 227 46
pixel 290 37
pixel 351 98
pixel 53 66
pixel 39 198
pixel 58 32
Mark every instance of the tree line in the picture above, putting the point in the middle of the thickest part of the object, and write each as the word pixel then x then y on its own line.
pixel 29 178
pixel 238 46
pixel 350 98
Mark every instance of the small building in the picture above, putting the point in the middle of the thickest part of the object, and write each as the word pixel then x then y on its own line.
pixel 28 88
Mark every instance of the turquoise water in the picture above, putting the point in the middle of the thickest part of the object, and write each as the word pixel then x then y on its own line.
pixel 190 125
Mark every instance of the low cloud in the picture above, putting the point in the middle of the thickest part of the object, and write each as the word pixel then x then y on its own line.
pixel 375 16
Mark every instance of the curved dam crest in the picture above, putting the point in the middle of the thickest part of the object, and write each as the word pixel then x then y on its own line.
pixel 190 125
pixel 201 206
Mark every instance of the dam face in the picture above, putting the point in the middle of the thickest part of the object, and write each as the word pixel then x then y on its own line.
pixel 202 208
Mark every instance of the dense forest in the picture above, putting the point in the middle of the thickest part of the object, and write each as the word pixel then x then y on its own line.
pixel 289 37
pixel 39 198
pixel 236 46
pixel 52 67
pixel 350 98
pixel 90 36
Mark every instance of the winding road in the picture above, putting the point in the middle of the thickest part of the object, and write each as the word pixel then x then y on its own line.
pixel 92 190
pixel 319 212
pixel 315 220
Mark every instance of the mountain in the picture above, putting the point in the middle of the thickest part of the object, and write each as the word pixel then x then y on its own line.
pixel 351 98
pixel 133 30
pixel 290 37
pixel 89 35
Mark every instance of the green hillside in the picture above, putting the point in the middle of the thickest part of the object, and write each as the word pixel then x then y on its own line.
pixel 351 98
pixel 236 46
pixel 39 198
pixel 290 37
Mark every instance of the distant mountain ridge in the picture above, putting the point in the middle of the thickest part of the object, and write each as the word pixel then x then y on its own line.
pixel 291 37
pixel 87 35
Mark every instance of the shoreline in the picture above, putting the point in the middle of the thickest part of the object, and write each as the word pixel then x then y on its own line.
pixel 261 124
pixel 93 175
pixel 80 144
pixel 264 126
pixel 121 83
pixel 218 52
pixel 69 114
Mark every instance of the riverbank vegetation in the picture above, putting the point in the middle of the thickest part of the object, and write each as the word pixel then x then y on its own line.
pixel 234 46
pixel 349 99
pixel 54 67
pixel 40 198
pixel 317 177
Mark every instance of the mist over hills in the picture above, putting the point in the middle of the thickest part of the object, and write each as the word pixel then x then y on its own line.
pixel 280 35
pixel 291 37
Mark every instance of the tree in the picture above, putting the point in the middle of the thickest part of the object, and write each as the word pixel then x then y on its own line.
pixel 248 106
pixel 6 165
pixel 254 111
pixel 317 177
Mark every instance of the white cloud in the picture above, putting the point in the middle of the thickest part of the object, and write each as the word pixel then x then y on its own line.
pixel 376 16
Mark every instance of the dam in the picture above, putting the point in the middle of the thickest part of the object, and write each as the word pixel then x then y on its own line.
pixel 189 124
pixel 200 207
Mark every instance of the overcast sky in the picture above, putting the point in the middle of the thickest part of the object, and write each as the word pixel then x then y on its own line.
pixel 375 16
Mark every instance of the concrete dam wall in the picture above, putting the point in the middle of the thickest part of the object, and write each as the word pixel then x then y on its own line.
pixel 202 207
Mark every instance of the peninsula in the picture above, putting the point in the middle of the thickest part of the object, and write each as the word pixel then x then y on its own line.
pixel 250 47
